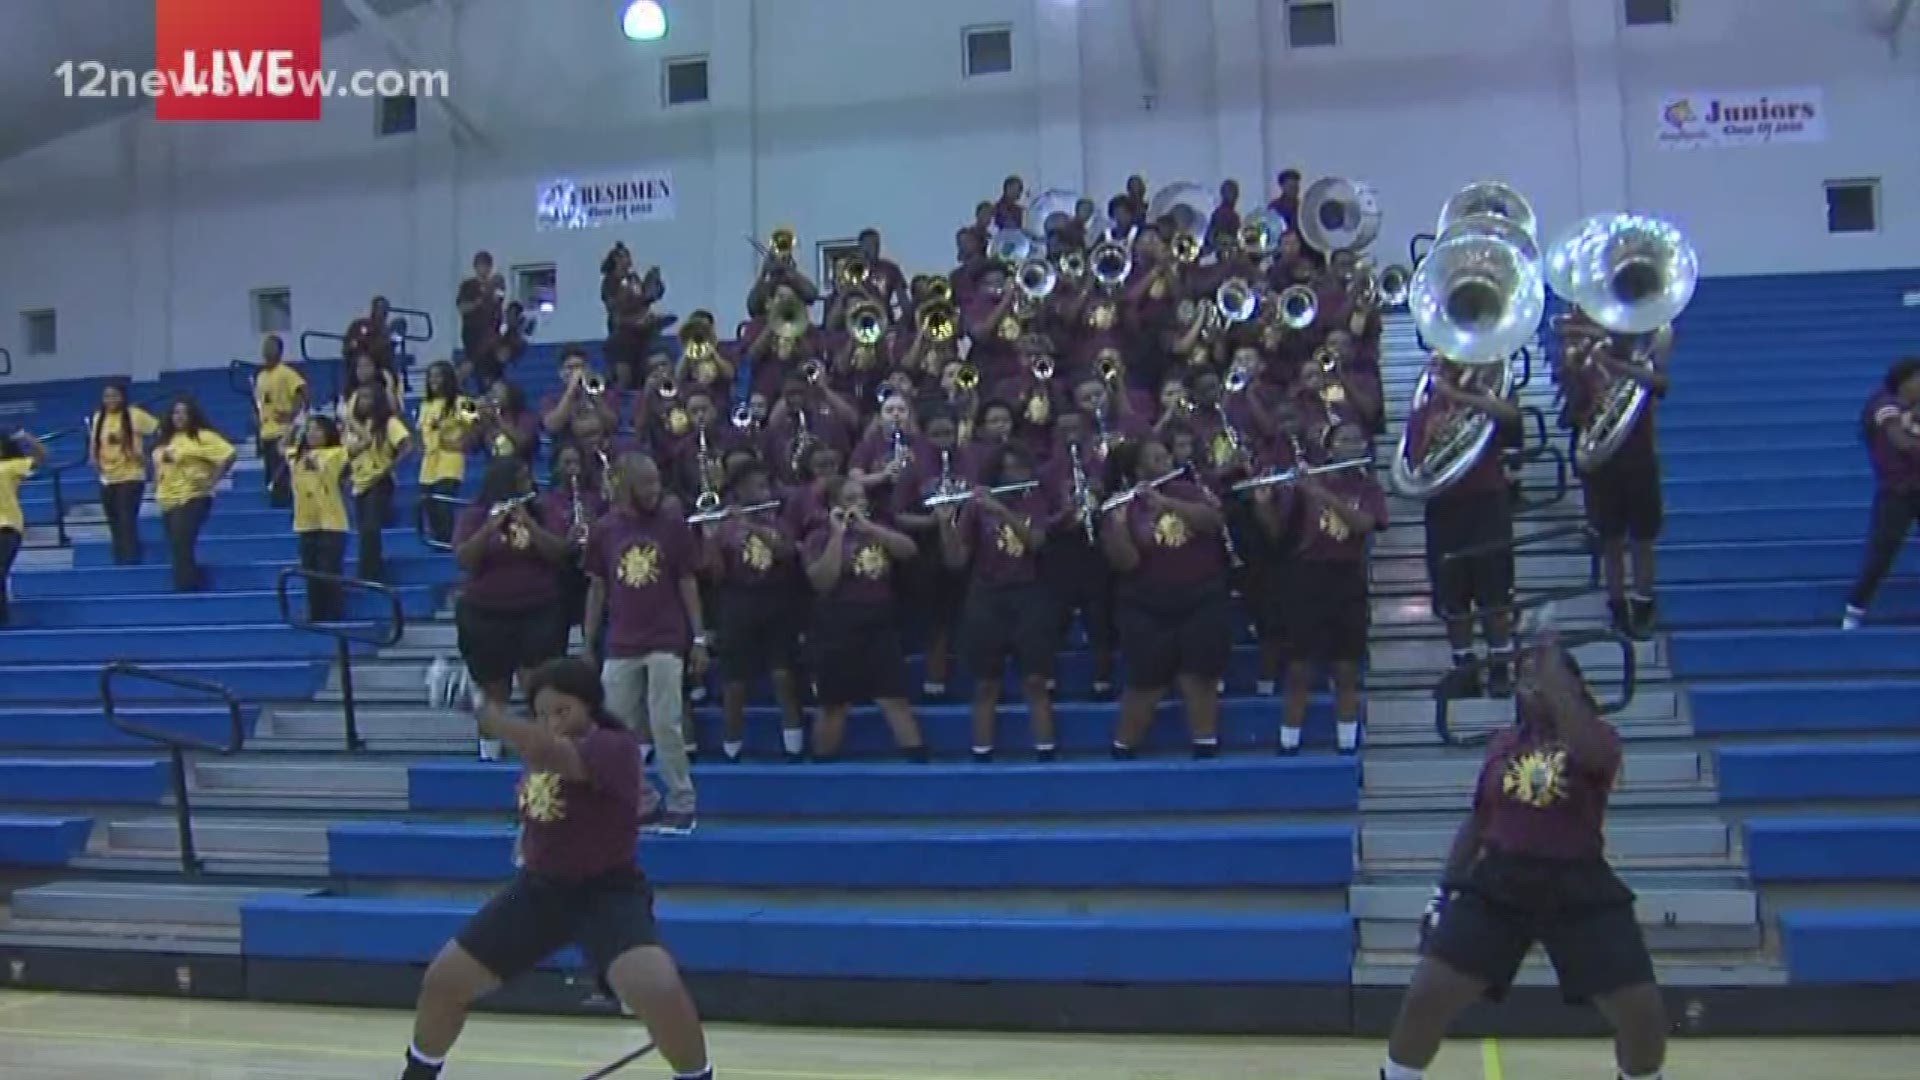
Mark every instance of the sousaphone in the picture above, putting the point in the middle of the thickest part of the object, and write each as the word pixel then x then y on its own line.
pixel 1337 214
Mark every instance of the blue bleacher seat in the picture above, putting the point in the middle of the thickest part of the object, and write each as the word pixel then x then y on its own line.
pixel 1001 790
pixel 1701 654
pixel 262 641
pixel 41 841
pixel 1880 946
pixel 261 680
pixel 1834 848
pixel 86 727
pixel 1807 771
pixel 1765 708
pixel 259 607
pixel 93 582
pixel 80 782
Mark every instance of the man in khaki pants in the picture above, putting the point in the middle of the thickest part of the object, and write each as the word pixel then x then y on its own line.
pixel 641 559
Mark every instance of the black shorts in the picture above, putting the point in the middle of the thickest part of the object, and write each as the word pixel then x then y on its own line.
pixel 757 630
pixel 1009 620
pixel 1480 581
pixel 1326 611
pixel 934 590
pixel 1080 581
pixel 536 916
pixel 855 653
pixel 1623 500
pixel 1165 633
pixel 496 644
pixel 1579 911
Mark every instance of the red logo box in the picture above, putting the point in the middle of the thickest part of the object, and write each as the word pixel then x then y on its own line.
pixel 258 60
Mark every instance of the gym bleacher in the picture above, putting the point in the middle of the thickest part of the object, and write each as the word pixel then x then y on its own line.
pixel 1767 816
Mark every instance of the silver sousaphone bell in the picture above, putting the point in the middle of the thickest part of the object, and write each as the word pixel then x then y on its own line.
pixel 1337 214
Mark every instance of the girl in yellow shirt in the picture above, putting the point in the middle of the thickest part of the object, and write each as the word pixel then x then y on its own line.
pixel 316 463
pixel 190 459
pixel 376 440
pixel 20 454
pixel 116 448
pixel 445 435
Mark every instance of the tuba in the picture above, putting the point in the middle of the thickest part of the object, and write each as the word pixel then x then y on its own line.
pixel 1010 247
pixel 1110 262
pixel 1632 275
pixel 1260 235
pixel 1455 437
pixel 1479 294
pixel 1189 207
pixel 1339 215
pixel 1036 280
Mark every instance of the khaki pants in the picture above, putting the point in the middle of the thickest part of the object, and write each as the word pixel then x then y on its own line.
pixel 653 683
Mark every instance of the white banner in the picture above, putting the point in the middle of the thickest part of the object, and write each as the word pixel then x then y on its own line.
pixel 1714 119
pixel 640 195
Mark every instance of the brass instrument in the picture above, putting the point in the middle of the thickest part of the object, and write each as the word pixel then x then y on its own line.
pixel 1010 247
pixel 866 322
pixel 468 410
pixel 593 385
pixel 956 497
pixel 1299 307
pixel 1260 235
pixel 1186 249
pixel 852 272
pixel 813 371
pixel 1393 284
pixel 781 243
pixel 1459 436
pixel 788 317
pixel 1288 476
pixel 966 379
pixel 708 499
pixel 939 291
pixel 1479 294
pixel 939 321
pixel 698 347
pixel 1492 198
pixel 1036 280
pixel 1117 501
pixel 722 513
pixel 1190 209
pixel 743 419
pixel 581 528
pixel 1111 263
pixel 1042 368
pixel 1239 377
pixel 668 390
pixel 1109 370
pixel 1072 266
pixel 1339 215
pixel 1236 301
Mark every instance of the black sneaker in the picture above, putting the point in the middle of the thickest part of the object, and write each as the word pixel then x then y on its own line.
pixel 675 824
pixel 1047 756
pixel 1641 623
pixel 983 757
pixel 1500 680
pixel 793 758
pixel 1123 753
pixel 1620 618
pixel 1206 751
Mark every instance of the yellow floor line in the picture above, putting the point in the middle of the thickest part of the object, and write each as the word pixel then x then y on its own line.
pixel 1490 1060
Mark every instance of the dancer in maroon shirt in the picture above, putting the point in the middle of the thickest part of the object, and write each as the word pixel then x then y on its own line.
pixel 578 804
pixel 1529 865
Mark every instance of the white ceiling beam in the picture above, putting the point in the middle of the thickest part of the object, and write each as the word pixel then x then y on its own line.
pixel 1901 10
pixel 465 129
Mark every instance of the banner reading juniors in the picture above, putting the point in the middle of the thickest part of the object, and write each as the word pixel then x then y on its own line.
pixel 1717 119
pixel 252 61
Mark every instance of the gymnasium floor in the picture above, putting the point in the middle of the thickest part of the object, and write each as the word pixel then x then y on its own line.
pixel 44 1036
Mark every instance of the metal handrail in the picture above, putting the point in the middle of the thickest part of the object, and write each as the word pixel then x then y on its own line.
pixel 1629 683
pixel 345 635
pixel 177 743
pixel 1525 356
pixel 1590 543
pixel 409 333
pixel 6 363
pixel 1418 247
pixel 420 528
pixel 1542 449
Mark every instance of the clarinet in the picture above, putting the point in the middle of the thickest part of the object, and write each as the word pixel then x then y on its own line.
pixel 1080 492
pixel 1226 531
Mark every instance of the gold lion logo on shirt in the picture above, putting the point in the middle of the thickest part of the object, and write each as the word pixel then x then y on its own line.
pixel 1537 778
pixel 1008 541
pixel 1333 394
pixel 1221 450
pixel 1334 525
pixel 678 421
pixel 502 446
pixel 1102 317
pixel 755 554
pixel 1009 329
pixel 539 798
pixel 640 566
pixel 1170 531
pixel 870 562
pixel 519 537
pixel 1037 409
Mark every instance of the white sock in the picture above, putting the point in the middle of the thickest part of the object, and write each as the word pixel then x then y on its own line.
pixel 983 750
pixel 1290 737
pixel 733 747
pixel 1043 747
pixel 1264 687
pixel 1349 734
pixel 703 1074
pixel 794 740
pixel 1656 1074
pixel 414 1051
pixel 933 688
pixel 1207 740
pixel 1390 1071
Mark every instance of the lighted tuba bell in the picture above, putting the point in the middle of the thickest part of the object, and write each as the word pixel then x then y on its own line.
pixel 1452 437
pixel 866 322
pixel 1393 285
pixel 1477 298
pixel 1036 279
pixel 788 317
pixel 697 340
pixel 1189 207
pixel 1260 235
pixel 1236 300
pixel 1010 247
pixel 1299 307
pixel 1491 197
pixel 1110 262
pixel 1339 215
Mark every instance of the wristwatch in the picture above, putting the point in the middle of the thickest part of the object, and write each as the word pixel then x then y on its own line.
pixel 701 640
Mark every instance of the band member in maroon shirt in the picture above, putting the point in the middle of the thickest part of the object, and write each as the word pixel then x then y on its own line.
pixel 1890 425
pixel 1074 566
pixel 578 803
pixel 370 334
pixel 572 503
pixel 1009 610
pixel 1009 212
pixel 509 428
pixel 758 616
pixel 479 300
pixel 1286 202
pixel 1172 609
pixel 1529 864
pixel 509 614
pixel 1623 500
pixel 854 565
pixel 1323 601
pixel 1476 513
pixel 1223 228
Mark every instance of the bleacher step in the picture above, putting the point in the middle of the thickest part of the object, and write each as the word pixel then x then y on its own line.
pixel 132 937
pixel 1402 845
pixel 1665 897
pixel 1404 937
pixel 243 777
pixel 1735 968
pixel 140 902
pixel 226 837
pixel 1452 770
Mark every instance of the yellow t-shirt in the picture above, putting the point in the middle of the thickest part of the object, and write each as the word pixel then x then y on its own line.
pixel 443 435
pixel 12 471
pixel 375 459
pixel 276 390
pixel 187 467
pixel 115 463
pixel 318 505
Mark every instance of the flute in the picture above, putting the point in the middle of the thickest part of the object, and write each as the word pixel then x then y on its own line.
pixel 965 496
pixel 1288 476
pixel 706 517
pixel 1127 496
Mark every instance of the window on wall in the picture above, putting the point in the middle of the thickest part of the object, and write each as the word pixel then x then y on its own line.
pixel 40 331
pixel 989 50
pixel 1647 12
pixel 536 287
pixel 1853 206
pixel 272 311
pixel 396 115
pixel 684 81
pixel 1312 24
pixel 831 252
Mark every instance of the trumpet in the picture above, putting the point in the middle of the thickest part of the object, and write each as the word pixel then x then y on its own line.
pixel 743 417
pixel 813 371
pixel 1036 280
pixel 1042 368
pixel 697 340
pixel 1109 369
pixel 1236 301
pixel 1288 476
pixel 1186 249
pixel 722 513
pixel 593 385
pixel 1072 266
pixel 956 497
pixel 1238 379
pixel 668 390
pixel 1299 307
pixel 506 505
pixel 852 272
pixel 1117 501
pixel 1111 263
pixel 866 322
pixel 939 321
pixel 967 378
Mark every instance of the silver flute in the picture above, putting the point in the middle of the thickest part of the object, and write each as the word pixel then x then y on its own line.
pixel 707 517
pixel 951 498
pixel 1288 476
pixel 1127 496
pixel 506 505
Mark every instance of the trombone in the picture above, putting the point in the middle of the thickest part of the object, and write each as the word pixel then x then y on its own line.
pixel 852 272
pixel 1288 476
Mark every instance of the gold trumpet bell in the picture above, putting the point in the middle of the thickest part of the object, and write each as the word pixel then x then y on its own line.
pixel 852 272
pixel 967 378
pixel 789 318
pixel 782 241
pixel 867 323
pixel 939 321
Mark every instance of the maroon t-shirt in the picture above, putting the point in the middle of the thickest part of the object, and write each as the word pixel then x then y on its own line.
pixel 823 425
pixel 642 558
pixel 526 428
pixel 750 558
pixel 557 507
pixel 1535 797
pixel 1893 468
pixel 579 829
pixel 483 322
pixel 1325 536
pixel 1486 475
pixel 1000 556
pixel 1173 554
pixel 866 570
pixel 512 575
